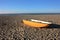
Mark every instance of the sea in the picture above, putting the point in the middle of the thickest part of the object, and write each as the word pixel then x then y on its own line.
pixel 14 14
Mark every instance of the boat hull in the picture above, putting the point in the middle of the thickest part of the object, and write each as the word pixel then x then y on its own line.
pixel 34 24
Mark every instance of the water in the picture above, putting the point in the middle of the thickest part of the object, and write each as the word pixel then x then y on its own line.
pixel 14 14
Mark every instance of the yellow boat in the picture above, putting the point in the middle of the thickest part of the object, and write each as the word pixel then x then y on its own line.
pixel 36 23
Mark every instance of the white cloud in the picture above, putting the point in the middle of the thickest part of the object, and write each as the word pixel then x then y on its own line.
pixel 9 12
pixel 28 11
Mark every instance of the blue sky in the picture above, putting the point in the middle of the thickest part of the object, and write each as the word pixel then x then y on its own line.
pixel 29 6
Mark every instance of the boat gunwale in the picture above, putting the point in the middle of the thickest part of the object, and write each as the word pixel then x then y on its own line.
pixel 37 22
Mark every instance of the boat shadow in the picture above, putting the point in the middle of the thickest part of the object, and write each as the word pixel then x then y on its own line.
pixel 54 26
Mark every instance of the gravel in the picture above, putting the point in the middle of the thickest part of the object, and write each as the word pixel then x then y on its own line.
pixel 12 28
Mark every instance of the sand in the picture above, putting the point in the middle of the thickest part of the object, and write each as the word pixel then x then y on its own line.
pixel 12 28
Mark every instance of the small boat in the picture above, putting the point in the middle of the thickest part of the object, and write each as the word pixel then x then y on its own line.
pixel 36 23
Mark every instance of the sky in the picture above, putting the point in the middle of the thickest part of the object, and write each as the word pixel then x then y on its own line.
pixel 29 6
